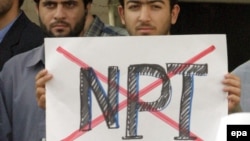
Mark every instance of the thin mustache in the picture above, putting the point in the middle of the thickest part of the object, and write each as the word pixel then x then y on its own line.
pixel 59 22
pixel 145 26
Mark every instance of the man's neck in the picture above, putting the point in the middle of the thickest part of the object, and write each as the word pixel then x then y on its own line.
pixel 88 22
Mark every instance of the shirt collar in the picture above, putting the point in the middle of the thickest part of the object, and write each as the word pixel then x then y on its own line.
pixel 96 28
pixel 38 55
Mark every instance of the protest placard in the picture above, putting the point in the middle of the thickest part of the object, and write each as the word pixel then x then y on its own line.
pixel 135 88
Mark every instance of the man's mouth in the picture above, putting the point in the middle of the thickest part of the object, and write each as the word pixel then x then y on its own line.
pixel 145 30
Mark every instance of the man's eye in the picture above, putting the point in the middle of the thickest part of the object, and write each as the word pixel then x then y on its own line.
pixel 70 4
pixel 156 7
pixel 133 7
pixel 49 5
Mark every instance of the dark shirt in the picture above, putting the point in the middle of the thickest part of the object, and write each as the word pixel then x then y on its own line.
pixel 22 36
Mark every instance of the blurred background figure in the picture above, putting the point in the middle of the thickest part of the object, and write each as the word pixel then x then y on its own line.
pixel 17 33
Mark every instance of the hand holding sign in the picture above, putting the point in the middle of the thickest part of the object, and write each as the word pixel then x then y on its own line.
pixel 183 65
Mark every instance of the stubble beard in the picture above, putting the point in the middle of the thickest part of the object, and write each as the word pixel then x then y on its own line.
pixel 74 32
pixel 5 8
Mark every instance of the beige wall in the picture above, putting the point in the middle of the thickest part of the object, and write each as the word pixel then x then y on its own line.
pixel 99 7
pixel 29 9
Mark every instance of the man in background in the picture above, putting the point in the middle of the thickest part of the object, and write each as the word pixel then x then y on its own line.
pixel 20 117
pixel 155 17
pixel 17 33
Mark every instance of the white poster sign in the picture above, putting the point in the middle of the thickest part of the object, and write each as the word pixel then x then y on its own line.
pixel 146 88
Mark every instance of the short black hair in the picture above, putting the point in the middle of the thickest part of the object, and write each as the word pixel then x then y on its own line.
pixel 84 1
pixel 20 3
pixel 172 2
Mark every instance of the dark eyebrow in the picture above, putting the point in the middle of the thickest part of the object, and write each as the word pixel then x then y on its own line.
pixel 148 1
pixel 47 2
pixel 63 1
pixel 133 1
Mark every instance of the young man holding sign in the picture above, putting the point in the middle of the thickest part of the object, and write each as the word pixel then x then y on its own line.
pixel 20 117
pixel 150 17
pixel 155 17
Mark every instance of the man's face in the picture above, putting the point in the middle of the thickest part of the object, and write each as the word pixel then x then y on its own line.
pixel 5 6
pixel 62 18
pixel 148 17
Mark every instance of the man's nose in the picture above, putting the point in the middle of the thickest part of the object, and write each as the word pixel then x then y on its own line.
pixel 145 14
pixel 59 12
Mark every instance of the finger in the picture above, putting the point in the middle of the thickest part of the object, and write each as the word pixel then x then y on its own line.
pixel 42 102
pixel 232 106
pixel 232 103
pixel 232 90
pixel 40 97
pixel 232 80
pixel 233 99
pixel 41 74
pixel 39 93
pixel 42 77
pixel 39 78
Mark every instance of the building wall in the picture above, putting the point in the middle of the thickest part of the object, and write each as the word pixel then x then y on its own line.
pixel 29 9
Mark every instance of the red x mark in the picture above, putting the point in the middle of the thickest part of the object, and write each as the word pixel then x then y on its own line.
pixel 123 91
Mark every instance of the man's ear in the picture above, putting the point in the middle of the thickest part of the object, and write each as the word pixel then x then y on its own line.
pixel 121 14
pixel 88 6
pixel 175 13
pixel 37 8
